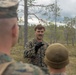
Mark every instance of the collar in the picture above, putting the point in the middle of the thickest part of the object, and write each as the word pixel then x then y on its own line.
pixel 4 58
pixel 59 74
pixel 35 40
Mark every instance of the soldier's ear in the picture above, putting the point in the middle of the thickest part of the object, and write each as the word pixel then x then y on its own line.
pixel 14 31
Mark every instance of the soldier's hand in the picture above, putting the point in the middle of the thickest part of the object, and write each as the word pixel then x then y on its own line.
pixel 38 45
pixel 33 57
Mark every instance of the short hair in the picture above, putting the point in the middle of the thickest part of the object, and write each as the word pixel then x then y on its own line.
pixel 39 26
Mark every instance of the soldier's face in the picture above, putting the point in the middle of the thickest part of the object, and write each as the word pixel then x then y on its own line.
pixel 39 34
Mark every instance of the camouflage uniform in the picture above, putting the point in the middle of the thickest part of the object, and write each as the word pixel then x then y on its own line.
pixel 59 74
pixel 36 59
pixel 18 68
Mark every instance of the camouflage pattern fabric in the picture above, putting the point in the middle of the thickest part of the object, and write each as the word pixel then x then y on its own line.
pixel 8 8
pixel 19 68
pixel 36 59
pixel 59 74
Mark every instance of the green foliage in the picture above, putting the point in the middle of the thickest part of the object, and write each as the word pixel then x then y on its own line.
pixel 62 33
pixel 31 32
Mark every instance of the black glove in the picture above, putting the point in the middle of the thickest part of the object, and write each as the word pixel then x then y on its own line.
pixel 38 45
pixel 33 57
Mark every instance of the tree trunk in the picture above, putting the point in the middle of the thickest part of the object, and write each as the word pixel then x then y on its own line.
pixel 25 22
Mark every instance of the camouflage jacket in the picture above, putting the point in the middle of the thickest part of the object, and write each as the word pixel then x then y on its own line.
pixel 18 68
pixel 36 59
pixel 59 74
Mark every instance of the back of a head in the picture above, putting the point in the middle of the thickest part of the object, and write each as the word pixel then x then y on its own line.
pixel 8 16
pixel 8 12
pixel 56 56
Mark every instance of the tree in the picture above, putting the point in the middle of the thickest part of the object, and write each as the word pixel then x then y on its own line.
pixel 30 6
pixel 69 30
pixel 25 22
pixel 66 20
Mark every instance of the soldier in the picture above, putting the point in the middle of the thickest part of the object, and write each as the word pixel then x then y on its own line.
pixel 8 37
pixel 35 49
pixel 56 58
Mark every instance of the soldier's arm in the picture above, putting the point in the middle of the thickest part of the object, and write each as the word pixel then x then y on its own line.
pixel 29 50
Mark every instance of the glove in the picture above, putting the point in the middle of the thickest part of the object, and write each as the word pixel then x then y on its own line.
pixel 38 45
pixel 33 57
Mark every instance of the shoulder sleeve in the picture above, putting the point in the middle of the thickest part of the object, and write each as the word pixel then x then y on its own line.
pixel 23 69
pixel 28 45
pixel 29 50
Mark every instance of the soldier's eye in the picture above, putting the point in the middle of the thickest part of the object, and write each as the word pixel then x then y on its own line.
pixel 38 31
